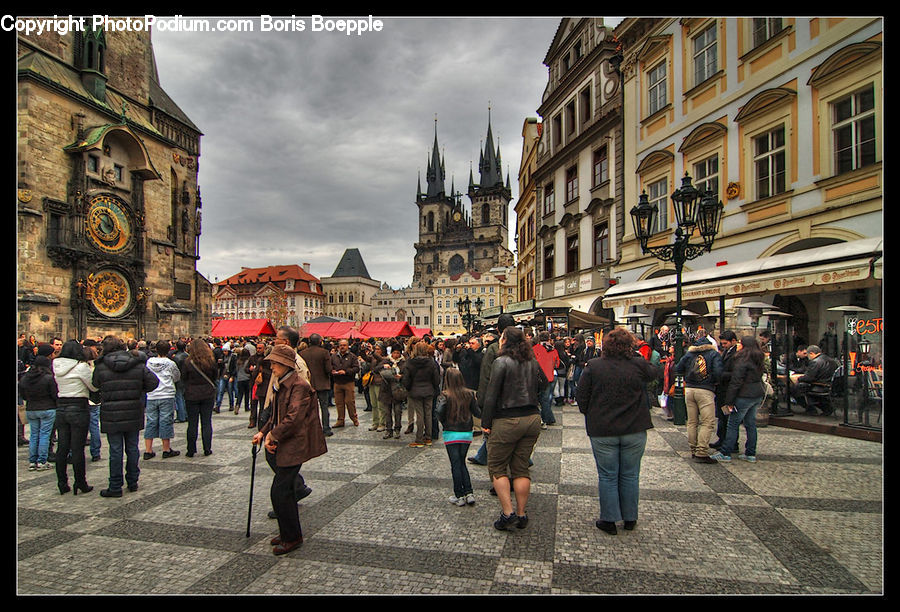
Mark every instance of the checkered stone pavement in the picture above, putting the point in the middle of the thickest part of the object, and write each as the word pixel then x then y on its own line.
pixel 807 518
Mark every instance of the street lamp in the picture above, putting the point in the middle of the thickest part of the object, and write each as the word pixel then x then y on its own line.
pixel 776 314
pixel 465 311
pixel 694 210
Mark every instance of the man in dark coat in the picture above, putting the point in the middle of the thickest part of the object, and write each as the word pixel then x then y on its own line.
pixel 122 378
pixel 318 360
pixel 292 436
pixel 470 363
pixel 728 347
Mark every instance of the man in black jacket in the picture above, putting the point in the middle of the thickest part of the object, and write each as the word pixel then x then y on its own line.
pixel 728 347
pixel 470 363
pixel 122 378
pixel 818 373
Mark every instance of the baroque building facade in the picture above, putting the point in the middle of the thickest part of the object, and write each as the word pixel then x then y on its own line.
pixel 496 288
pixel 578 167
pixel 526 209
pixel 781 118
pixel 453 239
pixel 411 304
pixel 109 207
pixel 289 293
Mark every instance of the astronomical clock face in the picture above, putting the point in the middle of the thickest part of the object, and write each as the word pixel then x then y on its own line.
pixel 111 294
pixel 108 225
pixel 457 216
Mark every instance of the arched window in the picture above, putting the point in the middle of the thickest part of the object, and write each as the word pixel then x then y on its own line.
pixel 485 214
pixel 431 221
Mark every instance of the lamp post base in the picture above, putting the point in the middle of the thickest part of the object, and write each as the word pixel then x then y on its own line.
pixel 679 409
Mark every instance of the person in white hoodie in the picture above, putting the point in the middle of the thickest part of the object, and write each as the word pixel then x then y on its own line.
pixel 73 416
pixel 161 403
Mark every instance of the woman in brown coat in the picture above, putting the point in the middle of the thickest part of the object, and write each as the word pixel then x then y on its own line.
pixel 293 435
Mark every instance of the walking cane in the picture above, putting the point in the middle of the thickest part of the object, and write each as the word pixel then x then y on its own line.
pixel 252 479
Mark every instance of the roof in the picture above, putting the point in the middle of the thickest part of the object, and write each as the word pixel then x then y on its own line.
pixel 271 274
pixel 337 329
pixel 161 100
pixel 242 327
pixel 420 332
pixel 351 264
pixel 387 329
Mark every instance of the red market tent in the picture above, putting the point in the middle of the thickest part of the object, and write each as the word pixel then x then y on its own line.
pixel 342 329
pixel 242 327
pixel 386 329
pixel 420 332
pixel 336 329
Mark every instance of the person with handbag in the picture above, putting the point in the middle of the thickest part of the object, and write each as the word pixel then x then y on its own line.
pixel 745 394
pixel 197 373
pixel 392 392
pixel 374 387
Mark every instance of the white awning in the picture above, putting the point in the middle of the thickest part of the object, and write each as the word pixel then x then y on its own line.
pixel 838 263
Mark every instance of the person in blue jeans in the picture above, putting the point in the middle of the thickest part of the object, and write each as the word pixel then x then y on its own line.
pixel 38 389
pixel 743 398
pixel 225 381
pixel 612 395
pixel 123 380
pixel 456 406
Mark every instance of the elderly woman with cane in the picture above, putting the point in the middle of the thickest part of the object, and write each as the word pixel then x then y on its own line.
pixel 293 434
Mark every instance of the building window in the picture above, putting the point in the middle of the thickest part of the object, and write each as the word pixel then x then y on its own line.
pixel 440 304
pixel 93 163
pixel 572 253
pixel 586 105
pixel 350 298
pixel 765 28
pixel 549 201
pixel 530 227
pixel 769 163
pixel 657 193
pixel 601 243
pixel 706 174
pixel 656 82
pixel 571 183
pixel 557 130
pixel 548 262
pixel 705 55
pixel 485 214
pixel 455 320
pixel 491 303
pixel 854 130
pixel 118 171
pixel 570 118
pixel 601 166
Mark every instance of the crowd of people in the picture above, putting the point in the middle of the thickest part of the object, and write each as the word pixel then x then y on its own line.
pixel 499 384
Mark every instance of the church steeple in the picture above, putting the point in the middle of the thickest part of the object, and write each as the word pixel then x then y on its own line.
pixel 489 166
pixel 435 174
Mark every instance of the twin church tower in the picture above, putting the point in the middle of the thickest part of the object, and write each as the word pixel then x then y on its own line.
pixel 452 240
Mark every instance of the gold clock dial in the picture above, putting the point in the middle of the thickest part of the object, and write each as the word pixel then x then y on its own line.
pixel 108 225
pixel 111 294
pixel 457 216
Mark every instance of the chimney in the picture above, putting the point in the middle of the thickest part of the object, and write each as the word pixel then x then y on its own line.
pixel 305 267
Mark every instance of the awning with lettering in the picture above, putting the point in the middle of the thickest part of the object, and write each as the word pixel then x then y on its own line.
pixel 822 266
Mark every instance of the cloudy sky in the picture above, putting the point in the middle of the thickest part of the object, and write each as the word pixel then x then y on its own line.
pixel 313 140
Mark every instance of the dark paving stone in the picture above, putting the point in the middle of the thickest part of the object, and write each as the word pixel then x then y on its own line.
pixel 478 483
pixel 331 506
pixel 125 508
pixel 43 543
pixel 180 466
pixel 587 579
pixel 676 439
pixel 394 461
pixel 46 519
pixel 47 480
pixel 238 573
pixel 181 535
pixel 690 497
pixel 462 565
pixel 833 505
pixel 808 563
pixel 720 480
pixel 538 540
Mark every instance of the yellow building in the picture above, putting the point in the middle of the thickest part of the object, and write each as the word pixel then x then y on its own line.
pixel 495 288
pixel 782 119
pixel 526 211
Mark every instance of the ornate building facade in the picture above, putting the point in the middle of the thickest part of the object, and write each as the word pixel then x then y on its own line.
pixel 411 304
pixel 495 288
pixel 453 239
pixel 526 209
pixel 108 200
pixel 288 295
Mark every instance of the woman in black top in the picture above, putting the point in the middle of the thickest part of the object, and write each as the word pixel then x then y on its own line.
pixel 612 395
pixel 512 420
pixel 745 395
pixel 455 409
pixel 197 373
pixel 38 389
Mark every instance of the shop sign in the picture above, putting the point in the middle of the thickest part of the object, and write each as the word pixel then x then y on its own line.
pixel 865 326
pixel 491 312
pixel 520 306
pixel 572 286
pixel 559 288
pixel 584 284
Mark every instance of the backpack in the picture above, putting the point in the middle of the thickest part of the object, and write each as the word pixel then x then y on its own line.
pixel 398 392
pixel 698 372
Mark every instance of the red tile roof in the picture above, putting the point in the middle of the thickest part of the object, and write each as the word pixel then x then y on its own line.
pixel 271 274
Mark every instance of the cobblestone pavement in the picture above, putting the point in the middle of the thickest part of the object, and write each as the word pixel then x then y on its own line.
pixel 806 518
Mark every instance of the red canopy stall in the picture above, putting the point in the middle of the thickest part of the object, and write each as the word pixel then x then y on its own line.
pixel 386 329
pixel 242 327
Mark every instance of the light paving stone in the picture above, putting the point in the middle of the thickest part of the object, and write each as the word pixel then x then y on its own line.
pixel 852 481
pixel 524 572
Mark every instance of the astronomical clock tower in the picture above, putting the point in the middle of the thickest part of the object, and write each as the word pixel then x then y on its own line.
pixel 109 208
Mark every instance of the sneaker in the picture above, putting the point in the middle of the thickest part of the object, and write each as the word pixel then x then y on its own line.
pixel 32 467
pixel 721 457
pixel 748 458
pixel 388 434
pixel 373 428
pixel 470 499
pixel 170 453
pixel 543 425
pixel 522 521
pixel 454 500
pixel 505 522
pixel 461 502
pixel 380 428
pixel 41 467
pixel 427 441
pixel 416 445
pixel 149 456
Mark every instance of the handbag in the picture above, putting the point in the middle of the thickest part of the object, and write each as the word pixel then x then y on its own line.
pixel 398 392
pixel 367 379
pixel 570 375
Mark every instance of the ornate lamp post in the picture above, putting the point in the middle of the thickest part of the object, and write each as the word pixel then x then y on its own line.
pixel 465 311
pixel 694 210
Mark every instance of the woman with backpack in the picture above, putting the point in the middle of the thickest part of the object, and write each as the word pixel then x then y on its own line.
pixel 38 389
pixel 455 408
pixel 745 395
pixel 198 372
pixel 73 414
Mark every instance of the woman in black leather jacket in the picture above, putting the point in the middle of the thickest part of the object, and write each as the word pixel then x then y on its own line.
pixel 512 419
